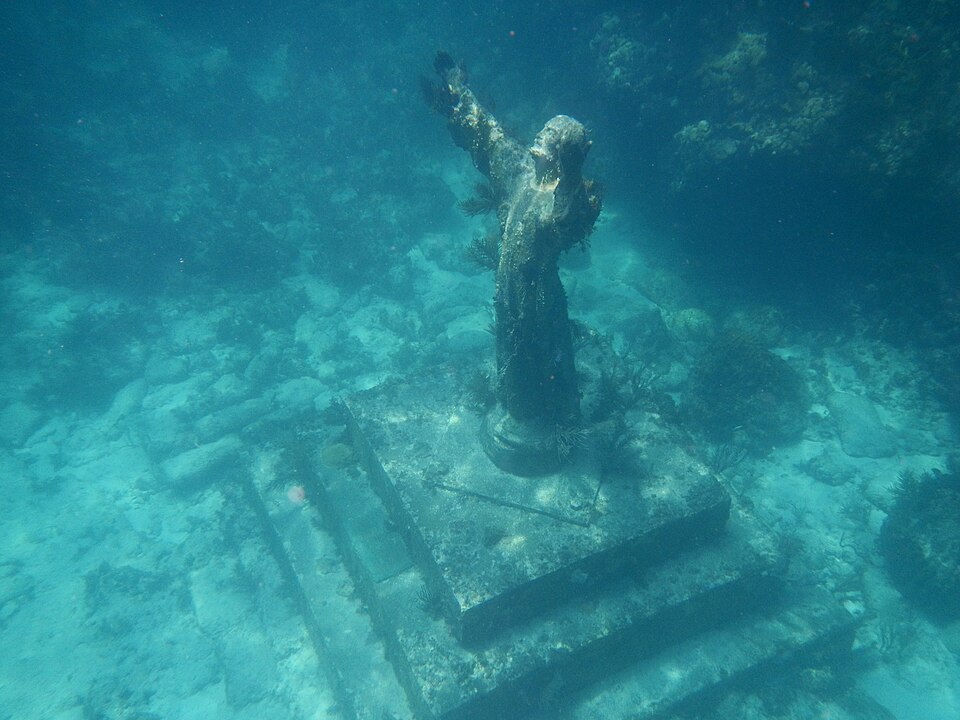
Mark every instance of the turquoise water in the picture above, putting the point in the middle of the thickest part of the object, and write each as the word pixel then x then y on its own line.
pixel 217 220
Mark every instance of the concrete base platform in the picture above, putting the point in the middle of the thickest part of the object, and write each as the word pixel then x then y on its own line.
pixel 492 600
pixel 496 549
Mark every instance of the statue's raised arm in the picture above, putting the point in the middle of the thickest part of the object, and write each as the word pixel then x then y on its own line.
pixel 473 128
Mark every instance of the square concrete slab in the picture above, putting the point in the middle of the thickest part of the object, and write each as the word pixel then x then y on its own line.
pixel 495 548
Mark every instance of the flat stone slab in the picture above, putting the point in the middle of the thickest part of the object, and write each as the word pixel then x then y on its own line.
pixel 194 468
pixel 862 433
pixel 420 427
pixel 495 549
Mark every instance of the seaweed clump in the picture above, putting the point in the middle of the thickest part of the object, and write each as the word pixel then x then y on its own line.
pixel 483 201
pixel 484 251
pixel 740 391
pixel 920 542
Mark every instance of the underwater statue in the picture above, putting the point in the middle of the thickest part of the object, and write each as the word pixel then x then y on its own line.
pixel 545 207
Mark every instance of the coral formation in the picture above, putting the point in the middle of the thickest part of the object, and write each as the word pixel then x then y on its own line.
pixel 920 541
pixel 740 390
pixel 337 455
pixel 861 90
pixel 690 325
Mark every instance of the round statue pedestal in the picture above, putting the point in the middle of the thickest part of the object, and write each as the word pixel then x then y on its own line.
pixel 517 446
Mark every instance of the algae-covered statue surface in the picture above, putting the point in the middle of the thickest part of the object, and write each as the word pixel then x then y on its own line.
pixel 545 207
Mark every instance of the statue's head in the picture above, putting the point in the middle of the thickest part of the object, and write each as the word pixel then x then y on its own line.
pixel 560 149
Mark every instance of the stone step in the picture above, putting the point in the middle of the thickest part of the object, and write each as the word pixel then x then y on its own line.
pixel 343 633
pixel 576 644
pixel 700 669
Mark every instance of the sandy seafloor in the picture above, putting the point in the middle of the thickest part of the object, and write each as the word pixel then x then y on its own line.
pixel 130 586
